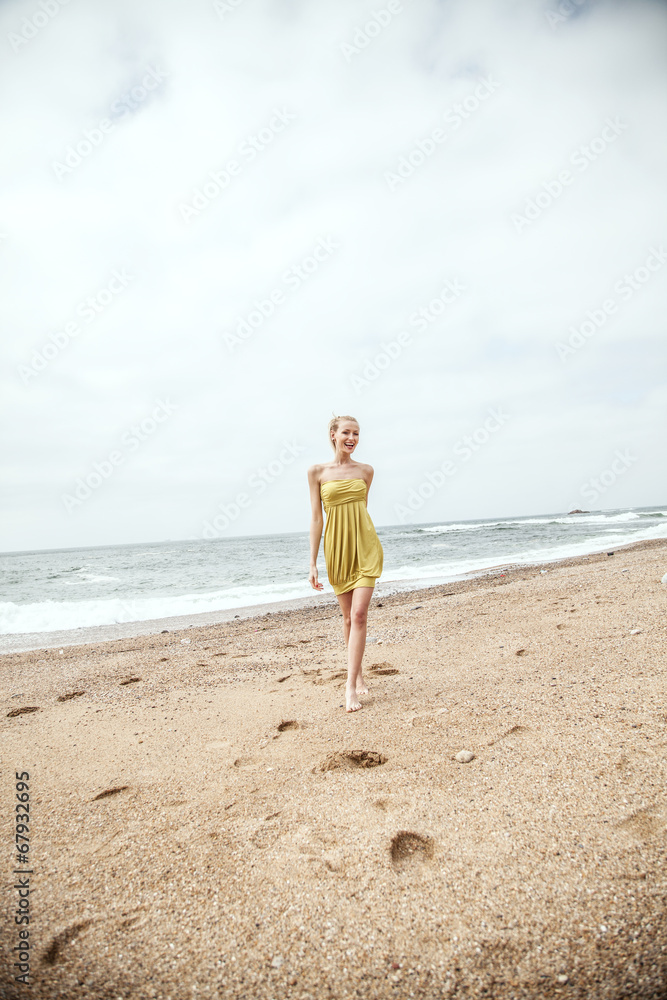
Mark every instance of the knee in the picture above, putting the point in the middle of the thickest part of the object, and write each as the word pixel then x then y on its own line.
pixel 347 621
pixel 359 617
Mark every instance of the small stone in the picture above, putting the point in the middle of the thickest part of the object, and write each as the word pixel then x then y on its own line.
pixel 562 979
pixel 276 962
pixel 664 579
pixel 185 642
pixel 465 756
pixel 635 631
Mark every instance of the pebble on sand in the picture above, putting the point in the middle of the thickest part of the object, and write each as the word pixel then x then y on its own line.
pixel 664 579
pixel 465 756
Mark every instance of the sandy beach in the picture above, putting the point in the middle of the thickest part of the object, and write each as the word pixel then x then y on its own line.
pixel 207 821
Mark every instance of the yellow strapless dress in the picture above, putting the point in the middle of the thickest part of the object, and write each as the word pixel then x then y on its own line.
pixel 352 549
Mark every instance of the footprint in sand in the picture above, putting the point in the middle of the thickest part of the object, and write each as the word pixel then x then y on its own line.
pixel 130 680
pixel 288 724
pixel 643 824
pixel 110 791
pixel 243 761
pixel 22 711
pixel 408 848
pixel 59 943
pixel 70 695
pixel 383 669
pixel 350 760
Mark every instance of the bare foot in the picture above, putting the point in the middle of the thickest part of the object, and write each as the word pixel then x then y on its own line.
pixel 352 703
pixel 362 687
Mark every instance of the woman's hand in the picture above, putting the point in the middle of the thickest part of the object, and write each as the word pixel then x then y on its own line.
pixel 312 579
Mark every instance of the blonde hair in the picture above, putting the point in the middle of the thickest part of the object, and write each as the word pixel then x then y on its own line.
pixel 333 425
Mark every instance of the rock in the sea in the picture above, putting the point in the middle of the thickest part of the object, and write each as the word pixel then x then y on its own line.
pixel 577 511
pixel 465 756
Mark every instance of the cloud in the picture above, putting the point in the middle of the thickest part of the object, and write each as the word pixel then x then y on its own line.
pixel 314 132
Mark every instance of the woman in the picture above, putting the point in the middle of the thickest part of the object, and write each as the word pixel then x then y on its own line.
pixel 352 549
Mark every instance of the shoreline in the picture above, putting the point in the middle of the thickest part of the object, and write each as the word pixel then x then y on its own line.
pixel 23 642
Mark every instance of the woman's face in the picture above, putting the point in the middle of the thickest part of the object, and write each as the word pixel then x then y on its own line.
pixel 346 438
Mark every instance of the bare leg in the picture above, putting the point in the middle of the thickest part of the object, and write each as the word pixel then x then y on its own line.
pixel 345 601
pixel 354 605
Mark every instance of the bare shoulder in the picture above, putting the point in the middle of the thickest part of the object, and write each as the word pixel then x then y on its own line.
pixel 314 472
pixel 368 470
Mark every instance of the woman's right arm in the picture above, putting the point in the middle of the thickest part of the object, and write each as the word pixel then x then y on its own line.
pixel 316 522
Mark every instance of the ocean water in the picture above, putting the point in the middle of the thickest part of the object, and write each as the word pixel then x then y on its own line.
pixel 71 588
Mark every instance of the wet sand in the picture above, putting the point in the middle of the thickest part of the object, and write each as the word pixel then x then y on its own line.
pixel 207 821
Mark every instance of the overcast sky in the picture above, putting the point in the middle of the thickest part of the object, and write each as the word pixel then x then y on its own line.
pixel 452 215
